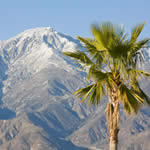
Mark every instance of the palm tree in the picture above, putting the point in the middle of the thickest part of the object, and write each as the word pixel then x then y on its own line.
pixel 112 59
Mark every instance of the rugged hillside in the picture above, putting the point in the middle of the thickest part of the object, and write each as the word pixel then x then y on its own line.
pixel 38 110
pixel 36 91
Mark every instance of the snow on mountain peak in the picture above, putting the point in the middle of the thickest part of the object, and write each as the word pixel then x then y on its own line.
pixel 33 50
pixel 37 32
pixel 33 40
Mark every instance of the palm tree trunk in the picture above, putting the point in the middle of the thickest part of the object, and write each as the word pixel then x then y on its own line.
pixel 113 116
pixel 112 145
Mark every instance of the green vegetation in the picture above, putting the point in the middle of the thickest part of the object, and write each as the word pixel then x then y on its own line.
pixel 112 59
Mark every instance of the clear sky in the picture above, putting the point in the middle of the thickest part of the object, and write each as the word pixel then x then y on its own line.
pixel 73 17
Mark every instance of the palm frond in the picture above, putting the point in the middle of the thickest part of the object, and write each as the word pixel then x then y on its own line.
pixel 145 96
pixel 140 44
pixel 80 56
pixel 136 32
pixel 131 101
pixel 94 49
pixel 88 43
pixel 84 92
pixel 93 93
pixel 104 34
pixel 91 44
pixel 134 54
pixel 97 94
pixel 133 73
pixel 137 89
pixel 142 72
pixel 98 37
pixel 96 74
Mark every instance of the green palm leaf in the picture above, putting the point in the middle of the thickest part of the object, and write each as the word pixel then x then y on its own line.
pixel 80 56
pixel 133 74
pixel 130 100
pixel 136 88
pixel 136 32
pixel 112 59
pixel 84 92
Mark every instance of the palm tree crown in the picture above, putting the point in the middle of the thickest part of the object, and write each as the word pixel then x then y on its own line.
pixel 112 59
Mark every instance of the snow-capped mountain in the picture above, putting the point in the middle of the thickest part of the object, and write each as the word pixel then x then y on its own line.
pixel 34 50
pixel 38 110
pixel 37 82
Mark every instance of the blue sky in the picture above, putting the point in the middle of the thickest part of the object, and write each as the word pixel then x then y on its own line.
pixel 73 17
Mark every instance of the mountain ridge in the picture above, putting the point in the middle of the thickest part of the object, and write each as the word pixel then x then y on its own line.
pixel 41 113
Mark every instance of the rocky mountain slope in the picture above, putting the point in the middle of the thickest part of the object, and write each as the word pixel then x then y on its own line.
pixel 37 108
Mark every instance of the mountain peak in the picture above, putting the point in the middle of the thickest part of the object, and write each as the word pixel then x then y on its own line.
pixel 39 31
pixel 34 50
pixel 33 40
